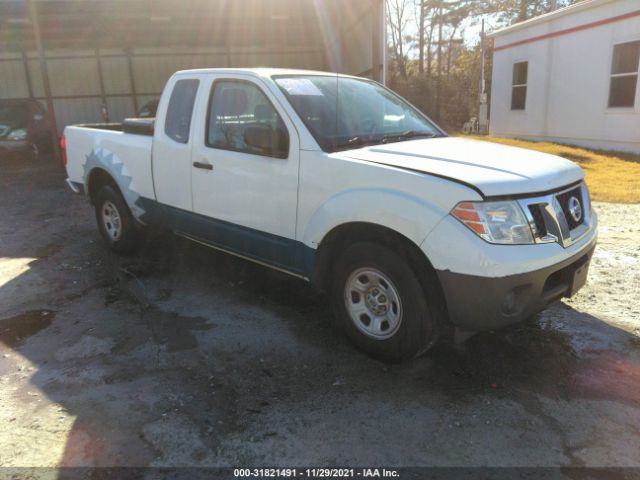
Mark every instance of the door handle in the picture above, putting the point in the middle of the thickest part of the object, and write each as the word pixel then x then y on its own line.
pixel 205 166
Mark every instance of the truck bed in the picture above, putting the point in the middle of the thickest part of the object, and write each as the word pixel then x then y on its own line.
pixel 121 149
pixel 137 126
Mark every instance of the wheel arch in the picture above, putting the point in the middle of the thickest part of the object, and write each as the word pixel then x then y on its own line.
pixel 96 179
pixel 343 235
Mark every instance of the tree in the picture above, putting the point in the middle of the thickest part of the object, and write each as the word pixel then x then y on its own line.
pixel 421 13
pixel 426 14
pixel 397 20
pixel 431 66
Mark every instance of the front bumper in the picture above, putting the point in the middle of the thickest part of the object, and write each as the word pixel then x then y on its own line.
pixel 477 303
pixel 488 286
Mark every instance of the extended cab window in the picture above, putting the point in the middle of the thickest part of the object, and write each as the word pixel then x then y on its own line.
pixel 178 121
pixel 242 119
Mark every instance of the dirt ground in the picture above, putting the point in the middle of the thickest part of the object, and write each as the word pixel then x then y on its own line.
pixel 186 357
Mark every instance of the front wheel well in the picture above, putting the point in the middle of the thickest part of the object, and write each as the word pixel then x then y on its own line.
pixel 341 237
pixel 338 239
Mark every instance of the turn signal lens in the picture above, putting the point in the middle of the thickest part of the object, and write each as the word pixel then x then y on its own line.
pixel 496 222
pixel 467 214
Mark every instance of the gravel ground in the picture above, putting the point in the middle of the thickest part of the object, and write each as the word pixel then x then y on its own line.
pixel 186 357
pixel 614 277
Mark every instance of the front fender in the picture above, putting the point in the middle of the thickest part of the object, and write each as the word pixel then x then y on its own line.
pixel 404 213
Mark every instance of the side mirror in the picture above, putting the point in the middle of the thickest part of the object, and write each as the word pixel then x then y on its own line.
pixel 268 141
pixel 38 117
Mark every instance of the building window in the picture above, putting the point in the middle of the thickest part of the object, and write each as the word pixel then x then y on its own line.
pixel 519 86
pixel 624 74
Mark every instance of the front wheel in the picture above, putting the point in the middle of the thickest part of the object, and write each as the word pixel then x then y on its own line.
pixel 380 303
pixel 115 221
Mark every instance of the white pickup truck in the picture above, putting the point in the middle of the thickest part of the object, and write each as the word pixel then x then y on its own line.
pixel 338 181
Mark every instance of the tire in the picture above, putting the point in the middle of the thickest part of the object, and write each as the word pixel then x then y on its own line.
pixel 370 280
pixel 116 223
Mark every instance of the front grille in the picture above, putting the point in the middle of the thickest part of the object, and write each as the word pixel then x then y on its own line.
pixel 538 219
pixel 563 200
pixel 550 215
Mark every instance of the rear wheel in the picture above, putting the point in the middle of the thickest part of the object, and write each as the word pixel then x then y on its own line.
pixel 380 303
pixel 115 221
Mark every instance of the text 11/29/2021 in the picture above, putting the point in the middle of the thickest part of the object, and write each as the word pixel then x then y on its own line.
pixel 314 473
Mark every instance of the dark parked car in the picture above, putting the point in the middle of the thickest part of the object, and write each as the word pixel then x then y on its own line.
pixel 24 128
pixel 149 109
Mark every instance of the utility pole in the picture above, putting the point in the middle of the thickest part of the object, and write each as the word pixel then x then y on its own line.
pixel 483 121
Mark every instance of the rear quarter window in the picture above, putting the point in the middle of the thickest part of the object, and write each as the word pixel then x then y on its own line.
pixel 178 120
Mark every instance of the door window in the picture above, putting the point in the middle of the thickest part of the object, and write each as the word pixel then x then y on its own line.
pixel 242 119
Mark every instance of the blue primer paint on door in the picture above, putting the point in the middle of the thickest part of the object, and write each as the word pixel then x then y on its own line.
pixel 284 253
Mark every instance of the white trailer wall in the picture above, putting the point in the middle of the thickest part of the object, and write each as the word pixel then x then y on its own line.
pixel 568 79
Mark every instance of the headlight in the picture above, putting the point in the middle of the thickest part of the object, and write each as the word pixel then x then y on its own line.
pixel 495 222
pixel 17 134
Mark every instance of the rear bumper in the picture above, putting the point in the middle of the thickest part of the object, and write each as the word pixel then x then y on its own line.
pixel 75 186
pixel 477 303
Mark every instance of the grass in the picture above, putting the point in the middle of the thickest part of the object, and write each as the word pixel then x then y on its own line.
pixel 611 176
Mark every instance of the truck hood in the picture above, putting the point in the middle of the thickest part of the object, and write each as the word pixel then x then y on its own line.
pixel 491 168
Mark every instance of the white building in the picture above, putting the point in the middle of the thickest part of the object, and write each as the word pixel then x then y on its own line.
pixel 570 76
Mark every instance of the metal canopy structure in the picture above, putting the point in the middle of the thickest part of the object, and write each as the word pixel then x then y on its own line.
pixel 158 23
pixel 84 57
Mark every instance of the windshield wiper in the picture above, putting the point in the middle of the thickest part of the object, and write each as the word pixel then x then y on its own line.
pixel 396 137
pixel 356 142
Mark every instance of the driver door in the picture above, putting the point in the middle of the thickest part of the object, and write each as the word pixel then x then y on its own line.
pixel 247 195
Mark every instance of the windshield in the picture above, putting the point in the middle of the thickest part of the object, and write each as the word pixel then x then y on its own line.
pixel 343 113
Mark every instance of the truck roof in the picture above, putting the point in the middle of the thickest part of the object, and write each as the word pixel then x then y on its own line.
pixel 260 72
